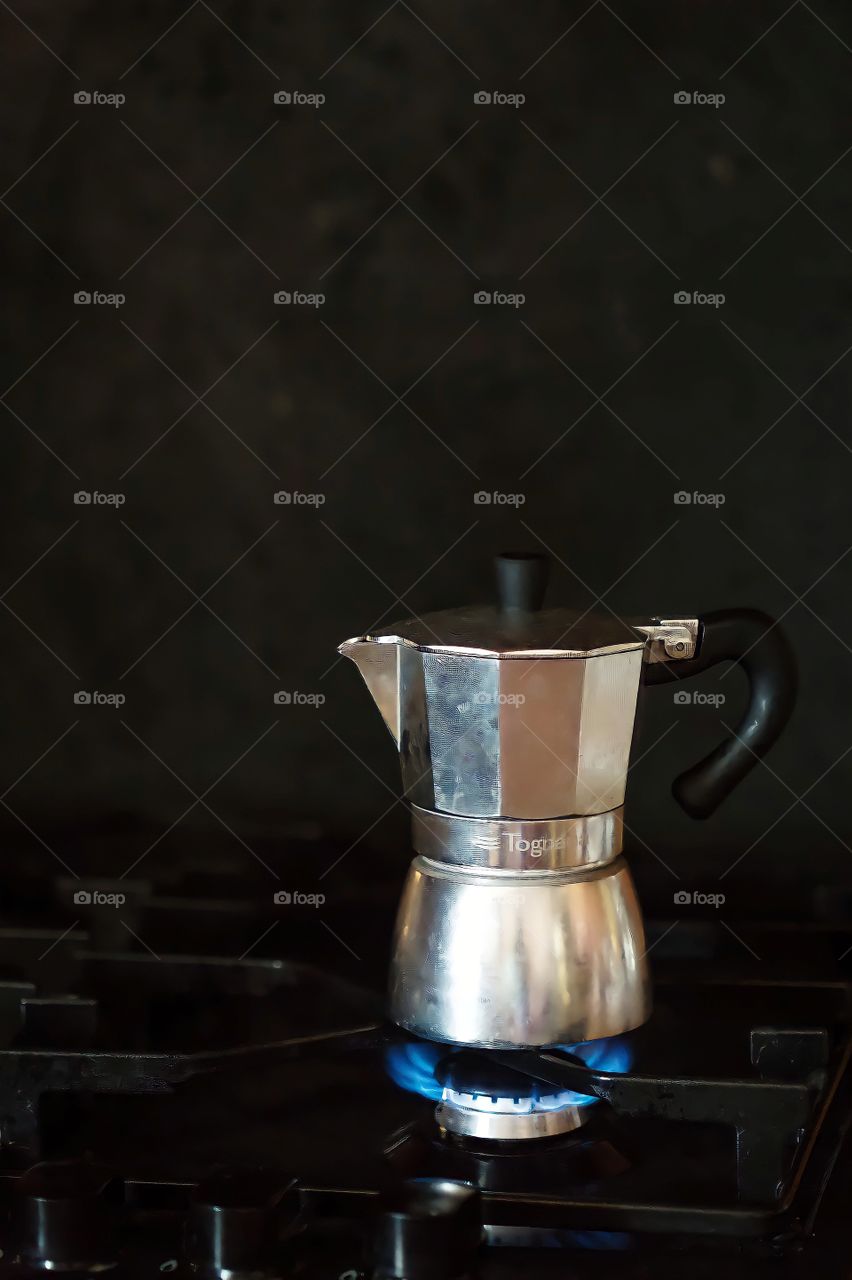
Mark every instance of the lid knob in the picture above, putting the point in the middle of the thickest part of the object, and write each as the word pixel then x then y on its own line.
pixel 521 581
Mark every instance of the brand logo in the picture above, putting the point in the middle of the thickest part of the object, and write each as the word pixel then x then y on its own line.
pixel 84 298
pixel 495 498
pixel 685 99
pixel 494 298
pixel 683 298
pixel 87 498
pixel 684 898
pixel 684 499
pixel 293 298
pixel 84 698
pixel 495 98
pixel 94 898
pixel 484 698
pixel 684 697
pixel 296 98
pixel 535 847
pixel 283 898
pixel 286 498
pixel 94 98
pixel 284 698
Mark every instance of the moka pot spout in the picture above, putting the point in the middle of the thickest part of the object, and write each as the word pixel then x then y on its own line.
pixel 377 658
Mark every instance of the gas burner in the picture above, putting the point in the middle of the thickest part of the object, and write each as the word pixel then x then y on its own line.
pixel 481 1099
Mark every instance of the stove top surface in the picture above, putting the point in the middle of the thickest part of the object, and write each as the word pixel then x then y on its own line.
pixel 174 1099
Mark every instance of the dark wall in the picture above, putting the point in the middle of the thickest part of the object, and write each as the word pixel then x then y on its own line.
pixel 598 198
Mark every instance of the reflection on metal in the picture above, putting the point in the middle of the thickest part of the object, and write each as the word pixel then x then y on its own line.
pixel 518 925
pixel 543 844
pixel 511 959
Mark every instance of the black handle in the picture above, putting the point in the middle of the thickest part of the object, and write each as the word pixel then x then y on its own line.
pixel 751 639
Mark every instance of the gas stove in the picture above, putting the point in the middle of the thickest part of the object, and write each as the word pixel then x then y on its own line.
pixel 175 1100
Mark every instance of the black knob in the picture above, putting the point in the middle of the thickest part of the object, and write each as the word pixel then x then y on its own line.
pixel 521 581
pixel 239 1221
pixel 70 1216
pixel 428 1229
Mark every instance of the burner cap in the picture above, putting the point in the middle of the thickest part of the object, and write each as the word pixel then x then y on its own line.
pixel 483 1099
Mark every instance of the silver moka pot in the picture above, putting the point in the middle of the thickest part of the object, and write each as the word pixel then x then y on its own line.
pixel 519 923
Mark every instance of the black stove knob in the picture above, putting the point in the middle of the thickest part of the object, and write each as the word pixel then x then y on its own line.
pixel 429 1229
pixel 238 1222
pixel 69 1216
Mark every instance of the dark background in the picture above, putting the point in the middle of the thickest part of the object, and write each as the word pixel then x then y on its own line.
pixel 503 399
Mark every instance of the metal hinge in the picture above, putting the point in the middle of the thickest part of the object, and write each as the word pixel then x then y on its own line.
pixel 670 639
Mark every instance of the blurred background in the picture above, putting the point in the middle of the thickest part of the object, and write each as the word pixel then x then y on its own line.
pixel 579 165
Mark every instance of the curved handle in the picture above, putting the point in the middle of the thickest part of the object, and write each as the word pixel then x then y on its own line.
pixel 751 639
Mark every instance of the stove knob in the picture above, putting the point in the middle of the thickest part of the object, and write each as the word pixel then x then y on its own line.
pixel 70 1216
pixel 429 1229
pixel 239 1221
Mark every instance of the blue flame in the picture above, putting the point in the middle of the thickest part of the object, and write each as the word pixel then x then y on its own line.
pixel 612 1053
pixel 412 1066
pixel 601 1240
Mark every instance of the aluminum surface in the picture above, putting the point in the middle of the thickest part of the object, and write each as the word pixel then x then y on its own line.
pixel 519 738
pixel 543 844
pixel 470 1122
pixel 531 718
pixel 503 960
pixel 475 631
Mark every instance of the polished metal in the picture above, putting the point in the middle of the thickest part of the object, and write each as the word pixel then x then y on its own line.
pixel 503 960
pixel 476 632
pixel 492 737
pixel 531 844
pixel 519 923
pixel 532 732
pixel 459 1114
pixel 671 639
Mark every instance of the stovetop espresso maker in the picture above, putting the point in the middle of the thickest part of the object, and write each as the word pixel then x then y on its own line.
pixel 519 923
